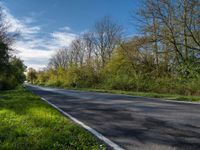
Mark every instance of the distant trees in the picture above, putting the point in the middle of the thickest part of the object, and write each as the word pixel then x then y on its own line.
pixel 31 75
pixel 87 54
pixel 11 68
pixel 60 59
pixel 163 58
pixel 97 44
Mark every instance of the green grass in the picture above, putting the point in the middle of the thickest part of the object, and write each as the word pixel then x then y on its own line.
pixel 144 94
pixel 28 123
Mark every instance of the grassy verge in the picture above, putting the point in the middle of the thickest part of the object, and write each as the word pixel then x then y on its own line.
pixel 144 94
pixel 26 122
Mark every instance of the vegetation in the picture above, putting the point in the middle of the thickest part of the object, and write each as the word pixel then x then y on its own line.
pixel 145 94
pixel 164 58
pixel 31 75
pixel 26 122
pixel 11 68
pixel 29 123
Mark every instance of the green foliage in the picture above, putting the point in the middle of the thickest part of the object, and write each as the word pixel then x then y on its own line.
pixel 29 123
pixel 4 56
pixel 13 75
pixel 31 75
pixel 18 69
pixel 42 77
pixel 88 77
pixel 74 76
pixel 122 74
pixel 11 68
pixel 163 58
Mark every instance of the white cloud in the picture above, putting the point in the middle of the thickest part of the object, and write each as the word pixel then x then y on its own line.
pixel 34 46
pixel 66 28
pixel 27 52
pixel 18 25
pixel 63 38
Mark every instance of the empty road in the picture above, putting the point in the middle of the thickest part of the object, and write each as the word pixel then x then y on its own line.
pixel 134 123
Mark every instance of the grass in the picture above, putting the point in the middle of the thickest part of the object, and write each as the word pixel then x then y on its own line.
pixel 144 94
pixel 173 97
pixel 28 123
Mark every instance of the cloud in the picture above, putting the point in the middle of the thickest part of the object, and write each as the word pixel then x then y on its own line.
pixel 34 46
pixel 66 28
pixel 63 38
pixel 18 25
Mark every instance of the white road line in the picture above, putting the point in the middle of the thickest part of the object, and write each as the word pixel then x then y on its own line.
pixel 94 132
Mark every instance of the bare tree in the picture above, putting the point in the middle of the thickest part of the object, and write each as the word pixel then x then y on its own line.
pixel 60 59
pixel 107 35
pixel 77 48
pixel 189 20
pixel 89 45
pixel 174 24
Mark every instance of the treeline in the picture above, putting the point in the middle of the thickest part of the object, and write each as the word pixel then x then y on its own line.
pixel 163 58
pixel 11 68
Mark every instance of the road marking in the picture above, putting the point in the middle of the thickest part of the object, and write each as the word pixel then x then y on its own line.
pixel 94 132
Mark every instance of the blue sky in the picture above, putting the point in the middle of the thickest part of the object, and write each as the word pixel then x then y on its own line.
pixel 47 25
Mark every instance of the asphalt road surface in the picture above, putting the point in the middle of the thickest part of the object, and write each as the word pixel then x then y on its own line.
pixel 134 123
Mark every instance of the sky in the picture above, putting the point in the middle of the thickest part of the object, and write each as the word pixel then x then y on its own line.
pixel 47 25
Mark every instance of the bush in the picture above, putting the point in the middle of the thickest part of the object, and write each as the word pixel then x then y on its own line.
pixel 13 76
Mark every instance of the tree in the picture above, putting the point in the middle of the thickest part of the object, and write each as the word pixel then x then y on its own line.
pixel 106 36
pixel 11 68
pixel 60 59
pixel 14 74
pixel 18 68
pixel 174 28
pixel 89 45
pixel 5 44
pixel 77 48
pixel 31 75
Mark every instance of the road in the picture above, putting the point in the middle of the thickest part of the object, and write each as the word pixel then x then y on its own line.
pixel 134 123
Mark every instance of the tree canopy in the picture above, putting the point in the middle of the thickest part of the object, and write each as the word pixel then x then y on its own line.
pixel 163 58
pixel 11 68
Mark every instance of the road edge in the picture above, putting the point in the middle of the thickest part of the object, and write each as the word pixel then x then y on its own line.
pixel 91 130
pixel 152 98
